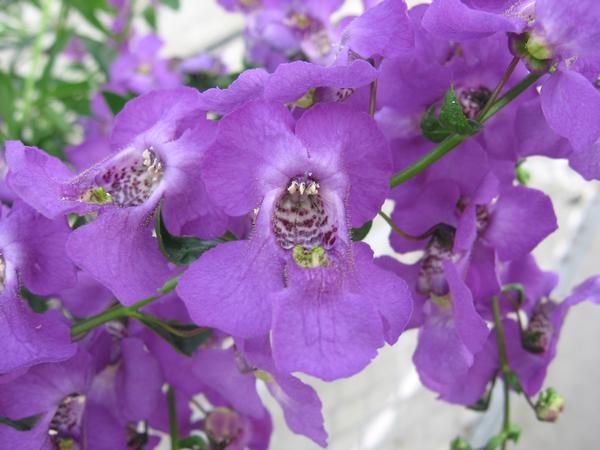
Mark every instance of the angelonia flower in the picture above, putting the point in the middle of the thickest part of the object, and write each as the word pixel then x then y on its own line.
pixel 201 240
pixel 299 276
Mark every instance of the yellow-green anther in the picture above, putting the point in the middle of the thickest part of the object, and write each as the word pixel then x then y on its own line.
pixel 310 259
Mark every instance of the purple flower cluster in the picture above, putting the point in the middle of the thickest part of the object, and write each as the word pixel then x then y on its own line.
pixel 200 242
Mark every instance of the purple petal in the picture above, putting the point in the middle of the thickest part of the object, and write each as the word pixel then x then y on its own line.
pixel 159 113
pixel 87 297
pixel 36 246
pixel 139 381
pixel 435 204
pixel 337 137
pixel 388 292
pixel 470 327
pixel 534 135
pixel 292 80
pixel 255 152
pixel 241 306
pixel 565 111
pixel 45 195
pixel 44 386
pixel 522 218
pixel 384 30
pixel 217 370
pixel 118 250
pixel 586 161
pixel 323 325
pixel 247 87
pixel 470 388
pixel 441 357
pixel 453 19
pixel 30 338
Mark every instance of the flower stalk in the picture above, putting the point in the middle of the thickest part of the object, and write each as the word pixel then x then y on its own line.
pixel 455 140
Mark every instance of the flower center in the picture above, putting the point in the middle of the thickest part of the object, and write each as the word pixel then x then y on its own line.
pixel 65 427
pixel 431 280
pixel 473 100
pixel 300 222
pixel 223 426
pixel 538 334
pixel 129 181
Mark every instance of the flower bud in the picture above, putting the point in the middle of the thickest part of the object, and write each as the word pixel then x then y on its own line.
pixel 549 405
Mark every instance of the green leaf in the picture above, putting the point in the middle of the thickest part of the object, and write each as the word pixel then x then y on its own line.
pixel 452 117
pixel 25 424
pixel 115 101
pixel 88 9
pixel 150 16
pixel 102 53
pixel 184 250
pixel 7 103
pixel 432 128
pixel 193 442
pixel 358 234
pixel 37 303
pixel 173 4
pixel 185 345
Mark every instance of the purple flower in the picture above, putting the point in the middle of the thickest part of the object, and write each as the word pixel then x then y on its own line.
pixel 56 392
pixel 299 275
pixel 157 157
pixel 283 29
pixel 233 413
pixel 300 403
pixel 33 256
pixel 139 67
pixel 290 82
pixel 529 351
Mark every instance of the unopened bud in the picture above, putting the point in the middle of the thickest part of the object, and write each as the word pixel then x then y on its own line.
pixel 460 444
pixel 549 405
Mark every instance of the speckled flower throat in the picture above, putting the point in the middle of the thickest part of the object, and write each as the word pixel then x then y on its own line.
pixel 127 180
pixel 65 429
pixel 300 222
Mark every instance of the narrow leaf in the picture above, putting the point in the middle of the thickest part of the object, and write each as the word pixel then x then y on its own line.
pixel 183 250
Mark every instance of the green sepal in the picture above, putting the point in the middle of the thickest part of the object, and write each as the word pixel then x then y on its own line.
pixel 431 127
pixel 184 250
pixel 452 117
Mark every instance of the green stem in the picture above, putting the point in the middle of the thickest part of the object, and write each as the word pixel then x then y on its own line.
pixel 453 141
pixel 28 88
pixel 173 431
pixel 503 366
pixel 403 233
pixel 146 318
pixel 116 312
pixel 505 77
